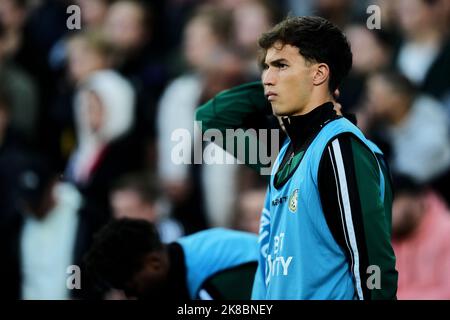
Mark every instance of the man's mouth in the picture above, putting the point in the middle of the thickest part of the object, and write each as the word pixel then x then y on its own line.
pixel 270 95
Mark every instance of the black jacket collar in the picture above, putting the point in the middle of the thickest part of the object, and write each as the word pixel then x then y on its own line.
pixel 302 128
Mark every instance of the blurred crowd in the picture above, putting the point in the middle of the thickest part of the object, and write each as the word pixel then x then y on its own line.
pixel 87 116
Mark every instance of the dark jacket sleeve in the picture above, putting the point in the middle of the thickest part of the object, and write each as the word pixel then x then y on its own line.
pixel 356 213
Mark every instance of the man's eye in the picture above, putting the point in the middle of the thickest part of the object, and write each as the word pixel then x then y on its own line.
pixel 282 66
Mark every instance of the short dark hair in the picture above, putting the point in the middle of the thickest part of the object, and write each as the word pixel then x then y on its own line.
pixel 118 251
pixel 318 40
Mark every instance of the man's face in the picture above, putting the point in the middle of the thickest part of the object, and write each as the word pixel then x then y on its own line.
pixel 413 15
pixel 368 53
pixel 12 15
pixel 128 204
pixel 287 79
pixel 94 11
pixel 150 282
pixel 381 97
pixel 124 25
pixel 200 43
pixel 83 60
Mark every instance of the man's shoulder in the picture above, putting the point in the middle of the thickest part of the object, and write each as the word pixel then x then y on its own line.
pixel 341 131
pixel 215 236
pixel 348 144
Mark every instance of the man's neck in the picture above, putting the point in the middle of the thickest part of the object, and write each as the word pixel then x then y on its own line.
pixel 302 127
pixel 314 102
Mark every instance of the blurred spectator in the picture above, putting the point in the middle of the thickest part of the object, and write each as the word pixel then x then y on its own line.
pixel 424 56
pixel 12 15
pixel 415 125
pixel 250 203
pixel 11 156
pixel 421 241
pixel 38 27
pixel 137 197
pixel 213 68
pixel 48 234
pixel 250 20
pixel 446 13
pixel 372 51
pixel 340 12
pixel 389 18
pixel 93 13
pixel 129 25
pixel 87 52
pixel 106 143
pixel 228 5
pixel 24 99
pixel 125 26
pixel 45 24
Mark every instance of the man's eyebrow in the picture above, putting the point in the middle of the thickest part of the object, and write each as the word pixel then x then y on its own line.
pixel 276 61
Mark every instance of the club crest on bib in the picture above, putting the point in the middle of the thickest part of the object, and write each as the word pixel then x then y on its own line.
pixel 293 199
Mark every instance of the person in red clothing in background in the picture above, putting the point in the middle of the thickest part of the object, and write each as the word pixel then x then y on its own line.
pixel 421 241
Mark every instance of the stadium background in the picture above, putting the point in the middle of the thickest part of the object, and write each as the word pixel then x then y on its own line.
pixel 145 66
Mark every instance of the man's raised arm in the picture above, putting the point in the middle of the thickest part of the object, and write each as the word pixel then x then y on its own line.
pixel 239 114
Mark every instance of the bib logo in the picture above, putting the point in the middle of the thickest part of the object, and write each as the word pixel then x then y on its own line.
pixel 293 199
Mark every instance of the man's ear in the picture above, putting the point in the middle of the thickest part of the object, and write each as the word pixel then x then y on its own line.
pixel 321 74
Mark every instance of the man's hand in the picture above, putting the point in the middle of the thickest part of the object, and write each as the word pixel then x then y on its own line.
pixel 337 105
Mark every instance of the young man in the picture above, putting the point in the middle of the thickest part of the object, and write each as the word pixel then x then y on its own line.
pixel 128 255
pixel 325 228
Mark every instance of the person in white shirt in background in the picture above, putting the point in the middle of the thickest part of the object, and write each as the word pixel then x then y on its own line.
pixel 414 125
pixel 48 237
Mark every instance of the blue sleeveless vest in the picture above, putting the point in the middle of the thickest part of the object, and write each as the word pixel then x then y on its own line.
pixel 299 258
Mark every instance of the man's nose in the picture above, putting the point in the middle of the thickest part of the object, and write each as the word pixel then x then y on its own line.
pixel 268 77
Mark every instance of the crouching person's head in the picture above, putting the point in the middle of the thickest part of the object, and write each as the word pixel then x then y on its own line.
pixel 128 255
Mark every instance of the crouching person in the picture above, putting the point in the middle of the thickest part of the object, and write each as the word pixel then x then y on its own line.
pixel 127 254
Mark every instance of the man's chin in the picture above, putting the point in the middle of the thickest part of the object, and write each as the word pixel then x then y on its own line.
pixel 278 111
